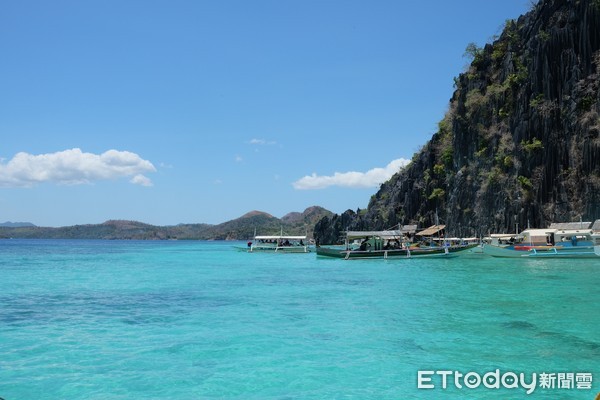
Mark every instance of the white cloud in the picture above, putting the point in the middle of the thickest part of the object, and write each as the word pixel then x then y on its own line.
pixel 140 179
pixel 73 167
pixel 352 179
pixel 262 142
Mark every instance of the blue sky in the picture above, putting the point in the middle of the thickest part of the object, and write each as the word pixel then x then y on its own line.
pixel 179 111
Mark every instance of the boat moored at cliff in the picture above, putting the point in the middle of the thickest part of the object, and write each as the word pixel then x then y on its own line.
pixel 545 243
pixel 389 244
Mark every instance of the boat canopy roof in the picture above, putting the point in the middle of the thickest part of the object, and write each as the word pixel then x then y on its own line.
pixel 539 232
pixel 456 239
pixel 432 230
pixel 543 232
pixel 277 237
pixel 392 234
pixel 571 225
pixel 504 235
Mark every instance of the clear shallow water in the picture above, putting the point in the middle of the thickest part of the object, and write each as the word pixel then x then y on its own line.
pixel 199 320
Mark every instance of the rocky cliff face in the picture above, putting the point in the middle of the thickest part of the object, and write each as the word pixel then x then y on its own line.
pixel 520 143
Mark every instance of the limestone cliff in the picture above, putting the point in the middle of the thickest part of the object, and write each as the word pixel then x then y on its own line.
pixel 520 142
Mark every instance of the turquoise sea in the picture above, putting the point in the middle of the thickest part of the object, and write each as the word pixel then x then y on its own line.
pixel 199 320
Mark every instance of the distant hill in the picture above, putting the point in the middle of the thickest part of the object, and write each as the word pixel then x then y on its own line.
pixel 263 223
pixel 9 224
pixel 241 228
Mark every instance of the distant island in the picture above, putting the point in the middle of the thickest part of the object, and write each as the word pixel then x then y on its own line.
pixel 9 224
pixel 241 228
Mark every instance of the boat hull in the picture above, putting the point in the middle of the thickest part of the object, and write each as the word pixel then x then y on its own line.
pixel 541 252
pixel 419 252
pixel 279 250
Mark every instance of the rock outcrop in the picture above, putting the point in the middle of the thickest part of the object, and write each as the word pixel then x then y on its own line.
pixel 520 143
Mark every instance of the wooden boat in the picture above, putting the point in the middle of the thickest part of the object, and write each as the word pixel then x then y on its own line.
pixel 387 244
pixel 545 243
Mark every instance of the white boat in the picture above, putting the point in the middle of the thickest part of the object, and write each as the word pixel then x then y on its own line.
pixel 545 243
pixel 277 244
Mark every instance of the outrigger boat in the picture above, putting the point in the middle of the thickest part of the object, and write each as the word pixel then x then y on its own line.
pixel 545 243
pixel 389 244
pixel 277 244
